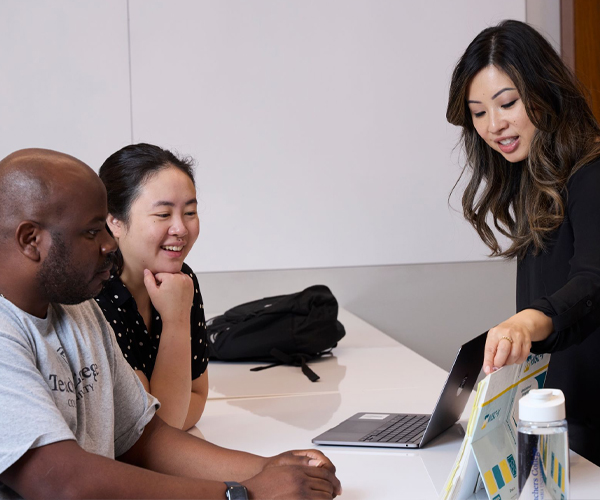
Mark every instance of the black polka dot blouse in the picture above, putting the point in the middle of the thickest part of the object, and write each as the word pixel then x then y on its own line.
pixel 140 347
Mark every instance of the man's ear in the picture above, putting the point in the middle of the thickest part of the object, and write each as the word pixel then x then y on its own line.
pixel 115 225
pixel 31 239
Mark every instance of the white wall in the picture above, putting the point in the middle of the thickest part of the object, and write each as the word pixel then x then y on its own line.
pixel 318 126
pixel 544 15
pixel 64 77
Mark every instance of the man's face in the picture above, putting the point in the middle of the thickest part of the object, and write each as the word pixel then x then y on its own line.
pixel 81 253
pixel 65 280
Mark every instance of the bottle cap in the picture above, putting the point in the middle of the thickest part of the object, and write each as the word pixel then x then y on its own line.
pixel 542 405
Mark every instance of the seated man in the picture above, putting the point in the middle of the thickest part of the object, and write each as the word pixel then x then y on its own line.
pixel 69 402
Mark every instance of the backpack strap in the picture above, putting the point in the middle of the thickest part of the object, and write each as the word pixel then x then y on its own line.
pixel 293 360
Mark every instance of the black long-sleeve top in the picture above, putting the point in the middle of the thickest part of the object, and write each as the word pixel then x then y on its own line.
pixel 564 283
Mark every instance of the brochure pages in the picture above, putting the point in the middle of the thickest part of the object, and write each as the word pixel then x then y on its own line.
pixel 489 448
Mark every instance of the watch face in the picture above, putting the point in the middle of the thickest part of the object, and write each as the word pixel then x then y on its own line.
pixel 235 491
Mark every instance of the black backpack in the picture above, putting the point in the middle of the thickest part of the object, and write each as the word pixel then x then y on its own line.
pixel 287 329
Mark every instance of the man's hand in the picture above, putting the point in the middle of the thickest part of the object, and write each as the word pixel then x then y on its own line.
pixel 311 458
pixel 171 294
pixel 287 482
pixel 510 342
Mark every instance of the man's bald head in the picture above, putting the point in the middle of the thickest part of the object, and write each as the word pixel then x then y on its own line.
pixel 53 236
pixel 38 185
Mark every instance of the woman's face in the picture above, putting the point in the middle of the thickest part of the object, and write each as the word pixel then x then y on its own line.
pixel 499 114
pixel 163 224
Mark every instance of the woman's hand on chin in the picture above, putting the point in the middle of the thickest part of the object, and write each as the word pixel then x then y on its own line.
pixel 171 294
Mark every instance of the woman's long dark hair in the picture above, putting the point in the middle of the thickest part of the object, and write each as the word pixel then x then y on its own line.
pixel 125 172
pixel 526 200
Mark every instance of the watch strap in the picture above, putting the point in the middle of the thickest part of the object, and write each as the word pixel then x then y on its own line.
pixel 235 491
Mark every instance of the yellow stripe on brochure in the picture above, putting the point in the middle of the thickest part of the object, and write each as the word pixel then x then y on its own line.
pixel 544 451
pixel 506 475
pixel 545 367
pixel 451 481
pixel 471 424
pixel 490 482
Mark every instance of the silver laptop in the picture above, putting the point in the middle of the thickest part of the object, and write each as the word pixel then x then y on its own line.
pixel 401 430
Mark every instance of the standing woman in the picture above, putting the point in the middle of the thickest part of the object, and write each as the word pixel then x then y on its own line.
pixel 532 153
pixel 153 299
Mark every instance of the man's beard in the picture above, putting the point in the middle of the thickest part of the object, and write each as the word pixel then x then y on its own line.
pixel 61 282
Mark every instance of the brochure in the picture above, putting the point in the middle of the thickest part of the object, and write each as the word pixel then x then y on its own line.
pixel 489 449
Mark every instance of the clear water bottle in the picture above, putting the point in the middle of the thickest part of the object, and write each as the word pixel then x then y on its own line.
pixel 543 446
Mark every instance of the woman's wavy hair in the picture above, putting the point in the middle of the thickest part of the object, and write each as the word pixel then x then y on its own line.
pixel 526 200
pixel 125 172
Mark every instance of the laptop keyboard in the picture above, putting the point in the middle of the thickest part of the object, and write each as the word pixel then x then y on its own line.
pixel 400 429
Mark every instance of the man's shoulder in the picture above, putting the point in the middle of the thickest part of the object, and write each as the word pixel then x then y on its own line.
pixel 13 322
pixel 83 308
pixel 83 313
pixel 85 321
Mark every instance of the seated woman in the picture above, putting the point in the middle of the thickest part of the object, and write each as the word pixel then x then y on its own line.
pixel 152 299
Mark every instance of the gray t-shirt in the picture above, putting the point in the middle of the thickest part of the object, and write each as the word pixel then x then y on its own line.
pixel 64 377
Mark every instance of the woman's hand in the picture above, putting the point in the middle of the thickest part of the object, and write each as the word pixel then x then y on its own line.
pixel 171 294
pixel 510 341
pixel 171 382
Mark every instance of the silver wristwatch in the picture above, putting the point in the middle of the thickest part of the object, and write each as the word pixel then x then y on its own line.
pixel 235 491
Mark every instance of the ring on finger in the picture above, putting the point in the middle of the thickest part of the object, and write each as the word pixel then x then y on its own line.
pixel 507 338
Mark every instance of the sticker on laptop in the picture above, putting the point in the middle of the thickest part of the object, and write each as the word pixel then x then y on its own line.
pixel 374 416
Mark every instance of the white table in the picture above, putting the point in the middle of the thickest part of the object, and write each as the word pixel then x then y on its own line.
pixel 365 359
pixel 279 409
